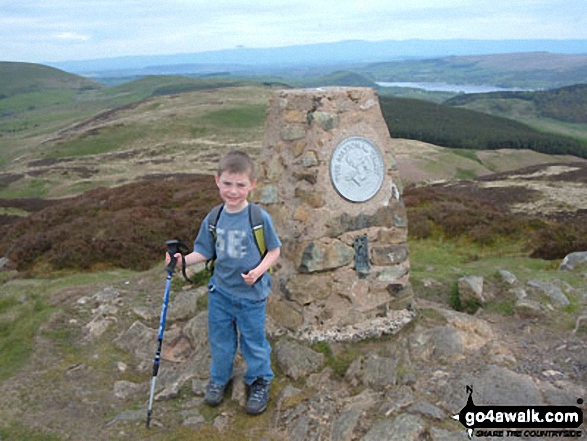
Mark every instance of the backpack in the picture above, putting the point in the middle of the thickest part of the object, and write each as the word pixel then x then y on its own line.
pixel 256 221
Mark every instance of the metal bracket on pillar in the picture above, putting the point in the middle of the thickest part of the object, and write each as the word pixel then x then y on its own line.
pixel 361 246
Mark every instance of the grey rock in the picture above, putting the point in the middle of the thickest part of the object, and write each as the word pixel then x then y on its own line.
pixel 443 344
pixel 139 340
pixel 293 132
pixel 125 390
pixel 396 399
pixel 493 385
pixel 393 273
pixel 560 396
pixel 185 304
pixel 3 262
pixel 268 195
pixel 239 388
pixel 196 330
pixel 555 294
pixel 199 387
pixel 581 323
pixel 327 121
pixel 222 421
pixel 405 427
pixel 574 261
pixel 437 434
pixel 471 289
pixel 428 410
pixel 528 308
pixel 508 277
pixel 286 393
pixel 500 386
pixel 519 292
pixel 298 430
pixel 192 417
pixel 343 427
pixel 171 391
pixel 296 360
pixel 376 372
pixel 320 256
pixel 145 313
pixel 446 343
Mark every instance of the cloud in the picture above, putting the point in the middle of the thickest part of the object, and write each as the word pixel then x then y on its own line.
pixel 72 36
pixel 75 29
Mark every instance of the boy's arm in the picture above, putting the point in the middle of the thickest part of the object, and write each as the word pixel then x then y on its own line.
pixel 268 261
pixel 190 259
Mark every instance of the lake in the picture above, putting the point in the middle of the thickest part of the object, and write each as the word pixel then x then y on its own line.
pixel 454 88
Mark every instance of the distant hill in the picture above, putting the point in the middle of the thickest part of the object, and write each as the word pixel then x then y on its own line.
pixel 342 52
pixel 567 104
pixel 467 129
pixel 339 78
pixel 17 78
pixel 536 70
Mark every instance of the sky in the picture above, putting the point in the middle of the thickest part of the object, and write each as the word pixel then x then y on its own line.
pixel 62 30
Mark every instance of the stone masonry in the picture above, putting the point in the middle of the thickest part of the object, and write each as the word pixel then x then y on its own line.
pixel 317 287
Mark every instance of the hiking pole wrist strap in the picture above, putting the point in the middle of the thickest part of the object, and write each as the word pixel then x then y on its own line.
pixel 177 246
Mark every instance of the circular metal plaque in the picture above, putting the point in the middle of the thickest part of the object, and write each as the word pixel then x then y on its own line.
pixel 357 169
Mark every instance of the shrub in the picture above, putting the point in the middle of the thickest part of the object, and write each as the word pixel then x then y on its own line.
pixel 124 227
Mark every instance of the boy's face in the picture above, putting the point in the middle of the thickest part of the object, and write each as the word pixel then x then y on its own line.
pixel 234 189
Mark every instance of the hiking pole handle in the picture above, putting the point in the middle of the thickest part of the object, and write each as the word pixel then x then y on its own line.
pixel 177 246
pixel 172 249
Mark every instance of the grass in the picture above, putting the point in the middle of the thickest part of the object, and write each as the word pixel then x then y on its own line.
pixel 19 321
pixel 28 188
pixel 11 211
pixel 24 308
pixel 16 431
pixel 97 142
pixel 237 118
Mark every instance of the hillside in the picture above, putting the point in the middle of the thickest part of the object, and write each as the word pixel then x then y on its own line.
pixel 339 78
pixel 18 78
pixel 164 125
pixel 461 128
pixel 30 122
pixel 568 104
pixel 536 70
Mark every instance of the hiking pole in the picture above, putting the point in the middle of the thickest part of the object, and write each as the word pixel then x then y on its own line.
pixel 172 246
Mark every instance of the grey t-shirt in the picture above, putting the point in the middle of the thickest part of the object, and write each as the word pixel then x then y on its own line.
pixel 237 252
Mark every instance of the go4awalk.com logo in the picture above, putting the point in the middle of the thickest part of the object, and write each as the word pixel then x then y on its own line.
pixel 521 421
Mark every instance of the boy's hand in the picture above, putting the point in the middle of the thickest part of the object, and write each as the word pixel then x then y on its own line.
pixel 251 277
pixel 178 258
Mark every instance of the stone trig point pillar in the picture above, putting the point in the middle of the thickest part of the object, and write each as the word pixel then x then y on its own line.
pixel 330 181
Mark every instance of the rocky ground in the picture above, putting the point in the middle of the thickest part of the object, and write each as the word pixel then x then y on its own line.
pixel 89 374
pixel 90 369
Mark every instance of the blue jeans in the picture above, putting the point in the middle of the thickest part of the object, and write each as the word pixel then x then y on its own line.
pixel 228 316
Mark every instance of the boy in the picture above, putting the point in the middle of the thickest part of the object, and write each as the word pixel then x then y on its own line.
pixel 239 286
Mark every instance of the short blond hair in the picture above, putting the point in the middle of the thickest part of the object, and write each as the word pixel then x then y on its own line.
pixel 236 161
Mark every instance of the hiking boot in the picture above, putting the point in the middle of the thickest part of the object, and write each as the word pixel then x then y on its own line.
pixel 258 397
pixel 214 394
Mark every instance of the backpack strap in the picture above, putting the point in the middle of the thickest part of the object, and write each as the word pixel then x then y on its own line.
pixel 213 221
pixel 256 220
